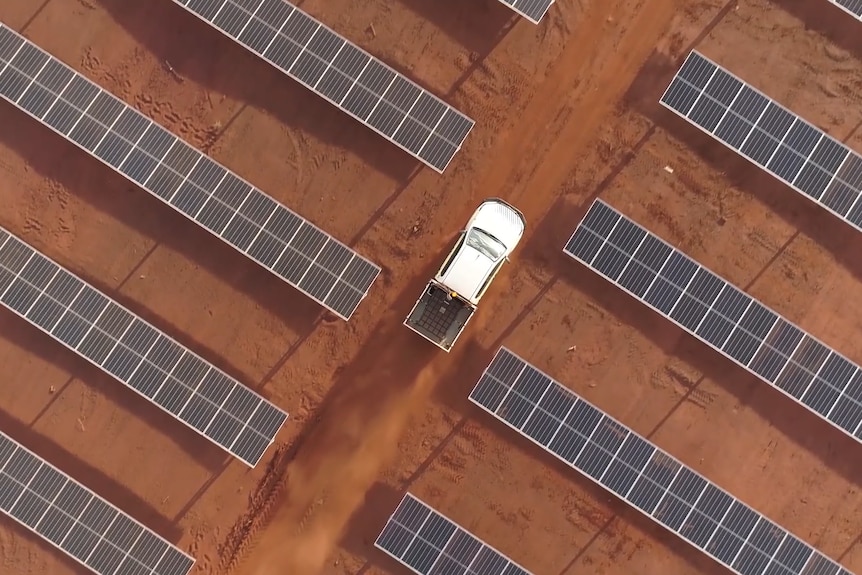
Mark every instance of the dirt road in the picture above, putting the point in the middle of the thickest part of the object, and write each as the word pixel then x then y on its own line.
pixel 359 430
pixel 566 111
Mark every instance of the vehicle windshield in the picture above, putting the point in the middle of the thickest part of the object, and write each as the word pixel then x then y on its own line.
pixel 486 244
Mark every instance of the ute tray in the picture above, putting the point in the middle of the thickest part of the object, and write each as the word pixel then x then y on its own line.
pixel 438 317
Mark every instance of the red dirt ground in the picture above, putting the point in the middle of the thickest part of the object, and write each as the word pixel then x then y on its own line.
pixel 565 112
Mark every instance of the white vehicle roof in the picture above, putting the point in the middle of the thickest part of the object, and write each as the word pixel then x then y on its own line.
pixel 492 233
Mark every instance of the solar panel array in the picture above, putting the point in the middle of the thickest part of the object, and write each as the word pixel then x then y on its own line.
pixel 78 522
pixel 187 180
pixel 821 168
pixel 342 73
pixel 853 7
pixel 720 315
pixel 653 482
pixel 532 10
pixel 428 543
pixel 135 353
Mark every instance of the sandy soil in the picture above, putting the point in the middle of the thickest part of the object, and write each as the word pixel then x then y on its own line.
pixel 566 112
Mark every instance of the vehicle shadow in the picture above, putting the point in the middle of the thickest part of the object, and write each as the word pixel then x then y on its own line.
pixel 112 194
pixel 27 337
pixel 203 54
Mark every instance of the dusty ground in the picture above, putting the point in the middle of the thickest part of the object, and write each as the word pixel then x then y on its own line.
pixel 565 112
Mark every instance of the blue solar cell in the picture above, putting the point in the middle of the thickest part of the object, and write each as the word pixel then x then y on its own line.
pixel 733 130
pixel 723 88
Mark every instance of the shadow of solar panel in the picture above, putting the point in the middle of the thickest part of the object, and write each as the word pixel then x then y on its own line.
pixel 135 353
pixel 190 182
pixel 653 482
pixel 532 10
pixel 428 543
pixel 852 7
pixel 78 522
pixel 342 73
pixel 799 154
pixel 721 315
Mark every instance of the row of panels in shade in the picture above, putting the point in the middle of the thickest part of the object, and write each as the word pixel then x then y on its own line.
pixel 196 393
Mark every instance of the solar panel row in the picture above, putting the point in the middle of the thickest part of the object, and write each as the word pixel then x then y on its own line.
pixel 345 75
pixel 122 344
pixel 532 10
pixel 428 543
pixel 184 178
pixel 853 7
pixel 626 464
pixel 775 139
pixel 75 520
pixel 720 315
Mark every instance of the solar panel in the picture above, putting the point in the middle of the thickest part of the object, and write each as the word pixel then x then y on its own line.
pixel 428 543
pixel 720 315
pixel 802 156
pixel 532 10
pixel 853 7
pixel 615 457
pixel 182 177
pixel 122 344
pixel 341 73
pixel 78 522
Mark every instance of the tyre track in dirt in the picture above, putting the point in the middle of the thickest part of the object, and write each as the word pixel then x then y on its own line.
pixel 312 487
pixel 357 434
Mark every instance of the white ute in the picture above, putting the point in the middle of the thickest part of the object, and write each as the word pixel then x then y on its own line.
pixel 450 299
